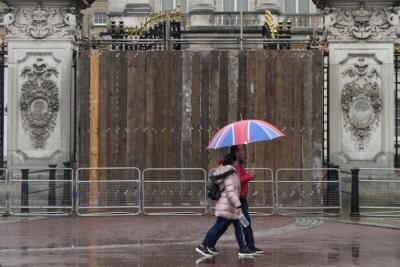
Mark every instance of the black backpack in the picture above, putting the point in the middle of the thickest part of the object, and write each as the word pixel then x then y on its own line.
pixel 213 191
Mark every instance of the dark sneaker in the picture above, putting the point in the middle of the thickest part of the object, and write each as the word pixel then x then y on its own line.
pixel 257 250
pixel 203 251
pixel 246 252
pixel 213 251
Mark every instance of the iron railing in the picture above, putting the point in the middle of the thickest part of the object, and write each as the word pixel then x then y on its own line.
pixel 326 109
pixel 397 109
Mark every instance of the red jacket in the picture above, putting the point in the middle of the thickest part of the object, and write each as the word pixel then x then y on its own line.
pixel 245 178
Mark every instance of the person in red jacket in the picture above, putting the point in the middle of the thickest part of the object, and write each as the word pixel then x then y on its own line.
pixel 245 178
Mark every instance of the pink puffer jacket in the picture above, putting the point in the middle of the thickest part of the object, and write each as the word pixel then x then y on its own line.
pixel 229 200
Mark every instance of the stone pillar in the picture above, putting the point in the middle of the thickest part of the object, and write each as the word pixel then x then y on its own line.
pixel 361 115
pixel 274 6
pixel 133 7
pixel 201 12
pixel 41 42
pixel 132 12
pixel 202 6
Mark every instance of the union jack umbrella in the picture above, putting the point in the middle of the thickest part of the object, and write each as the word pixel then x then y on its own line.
pixel 244 132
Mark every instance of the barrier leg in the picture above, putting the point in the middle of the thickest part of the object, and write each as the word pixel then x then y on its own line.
pixel 355 206
pixel 25 191
pixel 67 190
pixel 332 189
pixel 52 186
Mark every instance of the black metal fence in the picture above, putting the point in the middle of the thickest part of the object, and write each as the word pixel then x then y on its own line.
pixel 397 108
pixel 326 109
pixel 2 108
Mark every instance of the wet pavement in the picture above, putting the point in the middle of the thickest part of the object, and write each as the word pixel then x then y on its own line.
pixel 170 241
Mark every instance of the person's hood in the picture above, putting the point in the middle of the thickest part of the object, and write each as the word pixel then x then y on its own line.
pixel 223 169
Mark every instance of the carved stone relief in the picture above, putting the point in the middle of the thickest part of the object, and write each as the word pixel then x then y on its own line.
pixel 40 23
pixel 39 102
pixel 361 24
pixel 361 101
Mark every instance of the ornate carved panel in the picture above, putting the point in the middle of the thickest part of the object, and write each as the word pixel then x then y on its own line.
pixel 361 24
pixel 40 23
pixel 39 102
pixel 361 101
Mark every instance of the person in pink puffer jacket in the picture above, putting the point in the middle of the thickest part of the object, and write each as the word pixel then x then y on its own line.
pixel 226 206
pixel 228 210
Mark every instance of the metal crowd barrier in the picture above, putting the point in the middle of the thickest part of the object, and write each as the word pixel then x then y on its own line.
pixel 108 191
pixel 308 191
pixel 174 191
pixel 3 190
pixel 41 191
pixel 261 197
pixel 379 192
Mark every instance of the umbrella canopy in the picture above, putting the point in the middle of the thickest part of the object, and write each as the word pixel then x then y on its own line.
pixel 244 132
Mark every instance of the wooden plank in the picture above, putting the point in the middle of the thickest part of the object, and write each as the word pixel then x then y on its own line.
pixel 287 111
pixel 82 111
pixel 113 111
pixel 187 109
pixel 223 96
pixel 308 116
pixel 242 90
pixel 94 125
pixel 159 107
pixel 140 107
pixel 251 101
pixel 298 88
pixel 177 110
pixel 205 108
pixel 279 90
pixel 168 108
pixel 150 104
pixel 122 113
pixel 270 87
pixel 131 108
pixel 105 61
pixel 196 141
pixel 214 104
pixel 318 108
pixel 260 104
pixel 233 76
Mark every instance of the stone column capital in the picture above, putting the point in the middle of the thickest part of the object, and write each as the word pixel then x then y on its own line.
pixel 201 6
pixel 274 6
pixel 41 21
pixel 78 4
pixel 361 23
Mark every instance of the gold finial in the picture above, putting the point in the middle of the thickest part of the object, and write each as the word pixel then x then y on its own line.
pixel 269 21
pixel 177 15
pixel 267 16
